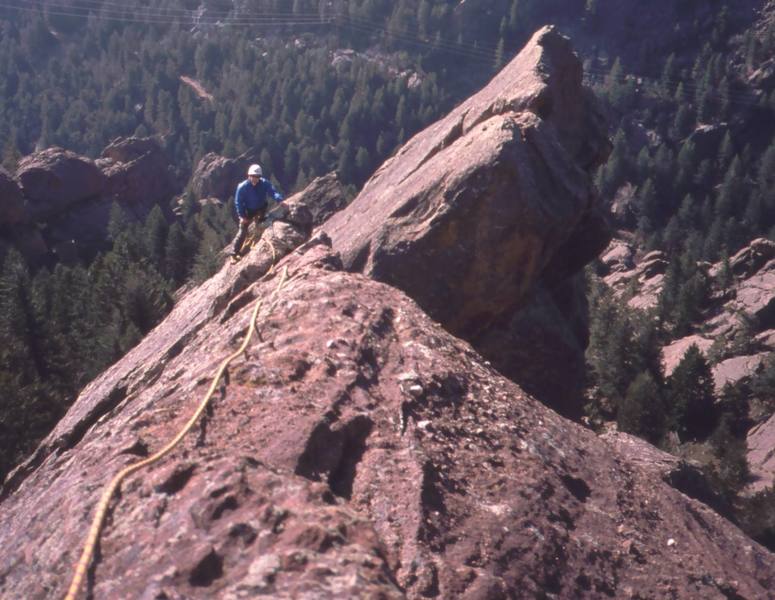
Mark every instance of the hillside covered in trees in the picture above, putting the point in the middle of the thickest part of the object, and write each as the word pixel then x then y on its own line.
pixel 309 87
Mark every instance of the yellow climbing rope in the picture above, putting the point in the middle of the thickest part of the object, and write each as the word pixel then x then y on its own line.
pixel 102 507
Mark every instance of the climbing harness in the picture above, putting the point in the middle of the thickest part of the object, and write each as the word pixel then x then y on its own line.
pixel 256 232
pixel 102 507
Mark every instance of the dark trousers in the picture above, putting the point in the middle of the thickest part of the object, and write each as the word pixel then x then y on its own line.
pixel 242 232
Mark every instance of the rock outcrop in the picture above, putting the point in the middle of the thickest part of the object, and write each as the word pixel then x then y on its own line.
pixel 139 174
pixel 72 195
pixel 216 176
pixel 54 179
pixel 324 197
pixel 356 449
pixel 484 218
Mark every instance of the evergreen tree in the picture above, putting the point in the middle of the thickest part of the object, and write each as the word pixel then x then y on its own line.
pixel 691 395
pixel 669 76
pixel 731 471
pixel 616 85
pixel 726 151
pixel 731 192
pixel 207 260
pixel 156 229
pixel 683 122
pixel 687 164
pixel 11 155
pixel 176 255
pixel 763 383
pixel 641 411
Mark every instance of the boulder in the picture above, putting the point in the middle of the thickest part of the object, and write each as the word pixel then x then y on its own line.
pixel 355 449
pixel 482 208
pixel 736 368
pixel 642 281
pixel 652 264
pixel 755 297
pixel 139 174
pixel 324 197
pixel 753 257
pixel 766 339
pixel 28 239
pixel 11 201
pixel 618 257
pixel 217 177
pixel 54 179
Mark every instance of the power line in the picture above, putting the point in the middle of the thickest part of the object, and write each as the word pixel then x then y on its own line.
pixel 191 19
pixel 478 53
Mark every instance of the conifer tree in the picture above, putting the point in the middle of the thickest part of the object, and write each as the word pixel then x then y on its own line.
pixel 687 164
pixel 615 84
pixel 642 411
pixel 731 470
pixel 682 124
pixel 669 76
pixel 726 151
pixel 731 191
pixel 176 255
pixel 155 233
pixel 692 395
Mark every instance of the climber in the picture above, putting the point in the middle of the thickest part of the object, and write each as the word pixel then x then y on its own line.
pixel 250 202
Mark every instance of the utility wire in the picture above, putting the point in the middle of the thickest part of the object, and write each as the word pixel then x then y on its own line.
pixel 478 53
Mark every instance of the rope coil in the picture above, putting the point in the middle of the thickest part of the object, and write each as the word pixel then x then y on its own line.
pixel 102 508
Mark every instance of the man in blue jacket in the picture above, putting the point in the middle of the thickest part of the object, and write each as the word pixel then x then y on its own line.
pixel 250 202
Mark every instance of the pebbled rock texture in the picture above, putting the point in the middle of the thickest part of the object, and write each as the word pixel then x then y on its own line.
pixel 488 214
pixel 355 450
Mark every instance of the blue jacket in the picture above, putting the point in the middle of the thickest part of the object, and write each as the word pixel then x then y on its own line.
pixel 249 198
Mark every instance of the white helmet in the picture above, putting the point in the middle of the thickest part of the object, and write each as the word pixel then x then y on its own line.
pixel 255 170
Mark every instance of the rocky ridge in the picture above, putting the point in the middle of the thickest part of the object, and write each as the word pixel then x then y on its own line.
pixel 498 195
pixel 352 452
pixel 356 449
